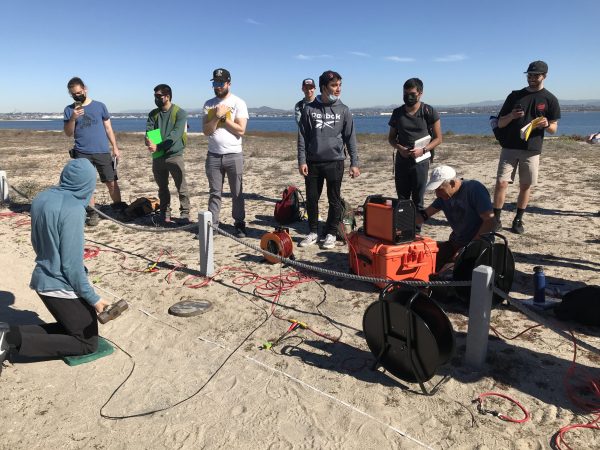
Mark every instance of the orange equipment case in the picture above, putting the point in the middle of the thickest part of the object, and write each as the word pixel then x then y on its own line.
pixel 373 257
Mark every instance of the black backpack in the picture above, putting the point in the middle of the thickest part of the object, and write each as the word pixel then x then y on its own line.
pixel 581 305
pixel 427 114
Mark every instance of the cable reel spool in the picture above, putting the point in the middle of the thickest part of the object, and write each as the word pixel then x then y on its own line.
pixel 278 242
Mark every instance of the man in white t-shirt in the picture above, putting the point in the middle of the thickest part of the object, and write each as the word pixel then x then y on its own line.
pixel 225 119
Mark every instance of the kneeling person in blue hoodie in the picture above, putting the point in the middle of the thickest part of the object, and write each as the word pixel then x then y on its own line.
pixel 60 278
pixel 326 128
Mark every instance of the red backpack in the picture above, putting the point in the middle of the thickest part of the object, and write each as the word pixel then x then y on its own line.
pixel 287 210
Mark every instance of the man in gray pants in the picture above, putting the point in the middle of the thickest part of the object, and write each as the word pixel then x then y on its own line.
pixel 224 123
pixel 167 156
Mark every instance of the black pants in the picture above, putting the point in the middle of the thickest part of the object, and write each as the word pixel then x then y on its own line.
pixel 318 172
pixel 75 333
pixel 411 180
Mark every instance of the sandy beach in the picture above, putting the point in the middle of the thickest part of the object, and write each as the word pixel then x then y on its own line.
pixel 210 375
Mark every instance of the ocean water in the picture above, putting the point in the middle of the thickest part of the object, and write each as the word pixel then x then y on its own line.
pixel 571 123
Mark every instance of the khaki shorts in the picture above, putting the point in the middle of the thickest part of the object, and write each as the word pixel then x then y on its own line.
pixel 511 160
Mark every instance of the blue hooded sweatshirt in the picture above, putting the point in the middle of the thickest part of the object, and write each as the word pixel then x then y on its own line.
pixel 57 223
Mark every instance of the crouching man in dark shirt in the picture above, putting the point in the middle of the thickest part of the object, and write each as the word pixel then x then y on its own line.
pixel 467 207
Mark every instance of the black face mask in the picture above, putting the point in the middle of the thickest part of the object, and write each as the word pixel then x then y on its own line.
pixel 410 99
pixel 159 102
pixel 79 98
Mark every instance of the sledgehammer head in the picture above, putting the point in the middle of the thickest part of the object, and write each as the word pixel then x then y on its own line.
pixel 113 311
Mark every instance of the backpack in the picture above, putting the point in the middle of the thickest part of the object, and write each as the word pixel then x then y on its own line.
pixel 142 206
pixel 501 134
pixel 427 115
pixel 348 223
pixel 581 305
pixel 174 110
pixel 287 210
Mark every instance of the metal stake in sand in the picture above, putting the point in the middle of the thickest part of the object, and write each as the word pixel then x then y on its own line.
pixel 3 187
pixel 480 307
pixel 205 238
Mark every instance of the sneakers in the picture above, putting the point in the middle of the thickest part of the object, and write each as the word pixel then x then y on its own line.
pixel 517 226
pixel 240 230
pixel 4 329
pixel 310 239
pixel 329 241
pixel 184 218
pixel 498 226
pixel 92 218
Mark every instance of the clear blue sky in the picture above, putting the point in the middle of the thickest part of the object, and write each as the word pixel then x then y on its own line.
pixel 464 51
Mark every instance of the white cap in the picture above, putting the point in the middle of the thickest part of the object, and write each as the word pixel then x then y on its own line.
pixel 439 175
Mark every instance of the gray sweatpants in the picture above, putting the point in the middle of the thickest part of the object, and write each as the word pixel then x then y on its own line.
pixel 217 166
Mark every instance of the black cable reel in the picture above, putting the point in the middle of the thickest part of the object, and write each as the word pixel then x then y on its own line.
pixel 485 251
pixel 409 333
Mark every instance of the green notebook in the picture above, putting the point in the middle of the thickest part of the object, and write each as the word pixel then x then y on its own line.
pixel 155 137
pixel 104 349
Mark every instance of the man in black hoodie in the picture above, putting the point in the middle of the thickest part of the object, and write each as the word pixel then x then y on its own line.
pixel 325 131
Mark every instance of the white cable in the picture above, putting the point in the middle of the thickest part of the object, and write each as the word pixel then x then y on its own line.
pixel 317 390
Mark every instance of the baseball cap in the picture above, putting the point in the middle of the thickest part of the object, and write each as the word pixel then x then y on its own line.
pixel 308 82
pixel 221 75
pixel 537 67
pixel 439 175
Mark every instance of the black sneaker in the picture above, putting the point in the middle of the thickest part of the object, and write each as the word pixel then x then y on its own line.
pixel 165 217
pixel 92 219
pixel 4 347
pixel 498 225
pixel 240 230
pixel 184 219
pixel 517 226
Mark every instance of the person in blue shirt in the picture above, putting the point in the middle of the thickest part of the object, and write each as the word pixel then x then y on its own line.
pixel 467 207
pixel 60 277
pixel 88 121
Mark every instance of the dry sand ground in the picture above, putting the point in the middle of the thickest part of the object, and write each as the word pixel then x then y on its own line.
pixel 307 392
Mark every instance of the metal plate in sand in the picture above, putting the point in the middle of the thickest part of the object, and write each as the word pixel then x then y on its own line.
pixel 190 308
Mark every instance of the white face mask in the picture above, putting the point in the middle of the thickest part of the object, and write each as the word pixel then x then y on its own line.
pixel 332 98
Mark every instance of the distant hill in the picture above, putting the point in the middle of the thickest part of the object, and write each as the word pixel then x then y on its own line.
pixel 483 107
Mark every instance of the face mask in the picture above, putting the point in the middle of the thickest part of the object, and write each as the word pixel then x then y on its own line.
pixel 159 102
pixel 332 98
pixel 410 99
pixel 79 98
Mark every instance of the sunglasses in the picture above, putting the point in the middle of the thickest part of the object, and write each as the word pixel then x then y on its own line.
pixel 534 75
pixel 218 84
pixel 160 95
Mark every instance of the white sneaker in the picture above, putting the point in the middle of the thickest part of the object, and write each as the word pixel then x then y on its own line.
pixel 310 239
pixel 329 241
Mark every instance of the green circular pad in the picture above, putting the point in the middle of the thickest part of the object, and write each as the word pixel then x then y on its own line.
pixel 189 308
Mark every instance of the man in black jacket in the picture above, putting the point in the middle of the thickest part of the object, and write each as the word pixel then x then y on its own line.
pixel 326 128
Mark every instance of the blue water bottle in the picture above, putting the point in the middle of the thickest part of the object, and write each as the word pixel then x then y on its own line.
pixel 539 285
